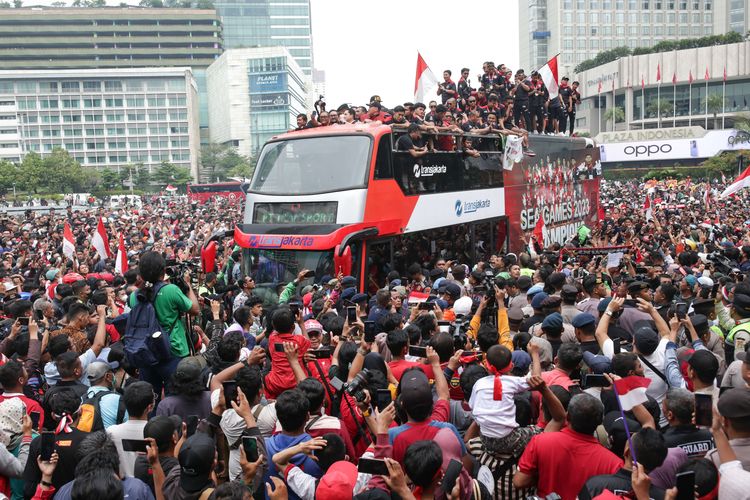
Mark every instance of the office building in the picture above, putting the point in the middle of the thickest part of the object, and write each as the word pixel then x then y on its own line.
pixel 254 94
pixel 105 118
pixel 269 23
pixel 579 29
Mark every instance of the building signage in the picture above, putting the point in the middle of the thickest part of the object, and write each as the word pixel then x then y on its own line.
pixel 267 100
pixel 268 82
pixel 710 144
pixel 651 134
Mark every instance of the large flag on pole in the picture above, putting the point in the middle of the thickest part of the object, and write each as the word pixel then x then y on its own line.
pixel 69 245
pixel 647 208
pixel 658 73
pixel 100 241
pixel 690 77
pixel 707 195
pixel 425 80
pixel 742 181
pixel 121 262
pixel 548 72
pixel 539 230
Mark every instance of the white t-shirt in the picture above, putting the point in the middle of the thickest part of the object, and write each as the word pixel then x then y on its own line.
pixel 496 419
pixel 132 429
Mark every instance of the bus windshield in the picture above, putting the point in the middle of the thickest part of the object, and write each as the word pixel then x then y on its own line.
pixel 272 269
pixel 312 165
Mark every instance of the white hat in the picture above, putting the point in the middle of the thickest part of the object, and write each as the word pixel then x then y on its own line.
pixel 705 282
pixel 463 306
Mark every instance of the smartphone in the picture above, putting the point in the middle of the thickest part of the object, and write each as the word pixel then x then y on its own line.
pixel 23 321
pixel 715 290
pixel 451 476
pixel 594 380
pixel 384 398
pixel 308 274
pixel 39 315
pixel 321 353
pixel 351 314
pixel 631 302
pixel 426 306
pixel 370 331
pixel 686 485
pixel 278 347
pixel 250 444
pixel 372 466
pixel 680 309
pixel 418 351
pixel 47 445
pixel 703 410
pixel 137 445
pixel 192 424
pixel 294 308
pixel 230 391
pixel 641 270
pixel 34 416
pixel 617 345
pixel 336 383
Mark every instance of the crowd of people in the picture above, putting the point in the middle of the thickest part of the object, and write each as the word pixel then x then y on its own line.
pixel 501 102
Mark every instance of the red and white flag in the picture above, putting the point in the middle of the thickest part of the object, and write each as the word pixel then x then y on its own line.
pixel 658 73
pixel 740 182
pixel 643 83
pixel 631 391
pixel 599 89
pixel 707 195
pixel 674 78
pixel 548 72
pixel 417 297
pixel 100 241
pixel 647 208
pixel 690 77
pixel 69 245
pixel 723 179
pixel 121 262
pixel 425 80
pixel 539 230
pixel 725 73
pixel 708 77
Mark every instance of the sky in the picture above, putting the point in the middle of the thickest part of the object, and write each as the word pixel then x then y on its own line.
pixel 370 47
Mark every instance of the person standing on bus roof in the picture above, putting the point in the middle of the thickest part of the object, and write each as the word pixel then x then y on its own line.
pixel 412 142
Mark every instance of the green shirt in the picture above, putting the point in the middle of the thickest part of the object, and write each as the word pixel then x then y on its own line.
pixel 169 304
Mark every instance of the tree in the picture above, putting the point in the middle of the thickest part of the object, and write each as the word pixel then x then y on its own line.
pixel 660 108
pixel 110 179
pixel 31 172
pixel 8 175
pixel 62 172
pixel 204 4
pixel 141 176
pixel 154 4
pixel 617 114
pixel 715 105
pixel 244 169
pixel 58 4
pixel 218 160
pixel 17 4
pixel 168 173
pixel 4 5
pixel 725 162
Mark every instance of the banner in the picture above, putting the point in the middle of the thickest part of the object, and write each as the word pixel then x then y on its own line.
pixel 711 144
pixel 269 82
pixel 596 250
pixel 561 183
pixel 267 100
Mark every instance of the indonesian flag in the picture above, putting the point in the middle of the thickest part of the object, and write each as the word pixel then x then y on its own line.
pixel 674 78
pixel 658 73
pixel 647 208
pixel 631 391
pixel 723 179
pixel 539 230
pixel 690 77
pixel 69 246
pixel 599 89
pixel 417 297
pixel 425 80
pixel 548 72
pixel 725 73
pixel 643 83
pixel 707 196
pixel 708 77
pixel 100 241
pixel 740 182
pixel 121 262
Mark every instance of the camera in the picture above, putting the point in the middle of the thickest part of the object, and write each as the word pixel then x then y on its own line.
pixel 356 388
pixel 176 270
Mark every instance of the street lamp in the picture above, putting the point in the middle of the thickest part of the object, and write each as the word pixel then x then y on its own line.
pixel 14 190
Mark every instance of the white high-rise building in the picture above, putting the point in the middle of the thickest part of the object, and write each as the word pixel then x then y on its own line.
pixel 579 29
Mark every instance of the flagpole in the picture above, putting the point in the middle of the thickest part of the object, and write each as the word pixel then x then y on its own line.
pixel 674 102
pixel 658 104
pixel 625 423
pixel 613 105
pixel 706 99
pixel 690 103
pixel 723 98
pixel 643 104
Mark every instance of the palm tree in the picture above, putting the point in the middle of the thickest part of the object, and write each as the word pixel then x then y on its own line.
pixel 616 115
pixel 715 105
pixel 661 108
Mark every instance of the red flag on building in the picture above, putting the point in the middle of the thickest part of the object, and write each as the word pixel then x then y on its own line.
pixel 690 77
pixel 599 88
pixel 725 73
pixel 708 77
pixel 658 73
pixel 643 83
pixel 674 78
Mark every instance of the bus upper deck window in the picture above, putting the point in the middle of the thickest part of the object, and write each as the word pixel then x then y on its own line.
pixel 383 163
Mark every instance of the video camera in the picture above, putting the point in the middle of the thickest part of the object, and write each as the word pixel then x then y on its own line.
pixel 356 388
pixel 721 262
pixel 175 270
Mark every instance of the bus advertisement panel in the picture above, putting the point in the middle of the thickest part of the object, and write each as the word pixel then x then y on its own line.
pixel 560 185
pixel 202 193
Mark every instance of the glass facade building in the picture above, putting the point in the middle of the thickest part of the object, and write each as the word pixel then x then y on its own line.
pixel 269 23
pixel 103 118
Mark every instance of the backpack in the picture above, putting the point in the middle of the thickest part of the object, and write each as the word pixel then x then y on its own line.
pixel 91 414
pixel 141 347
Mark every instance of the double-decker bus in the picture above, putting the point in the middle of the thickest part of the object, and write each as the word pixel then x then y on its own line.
pixel 204 192
pixel 343 199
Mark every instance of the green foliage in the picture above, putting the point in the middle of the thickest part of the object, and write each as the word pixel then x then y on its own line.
pixel 663 46
pixel 167 173
pixel 616 113
pixel 725 162
pixel 219 161
pixel 660 108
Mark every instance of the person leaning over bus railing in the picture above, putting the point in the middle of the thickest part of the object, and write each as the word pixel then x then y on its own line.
pixel 412 142
pixel 290 290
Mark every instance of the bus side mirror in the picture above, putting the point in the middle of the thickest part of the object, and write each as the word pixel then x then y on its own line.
pixel 208 257
pixel 342 260
pixel 245 187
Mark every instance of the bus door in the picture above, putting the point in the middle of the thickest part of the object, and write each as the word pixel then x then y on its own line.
pixel 378 263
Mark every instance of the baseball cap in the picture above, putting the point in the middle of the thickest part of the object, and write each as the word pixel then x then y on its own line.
pixel 453 289
pixel 414 389
pixel 97 369
pixel 700 322
pixel 338 481
pixel 312 325
pixel 52 274
pixel 690 280
pixel 735 403
pixel 538 299
pixel 348 293
pixel 196 462
pixel 463 306
pixel 569 291
pixel 646 340
pixel 597 363
pixel 741 304
pixel 705 282
pixel 582 320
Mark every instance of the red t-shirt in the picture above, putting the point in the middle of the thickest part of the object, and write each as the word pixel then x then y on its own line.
pixel 281 376
pixel 325 366
pixel 400 366
pixel 553 377
pixel 563 462
pixel 31 405
pixel 404 435
pixel 455 383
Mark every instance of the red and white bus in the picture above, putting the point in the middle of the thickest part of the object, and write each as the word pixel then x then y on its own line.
pixel 204 192
pixel 343 199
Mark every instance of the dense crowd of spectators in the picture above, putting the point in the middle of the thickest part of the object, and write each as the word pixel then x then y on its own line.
pixel 454 379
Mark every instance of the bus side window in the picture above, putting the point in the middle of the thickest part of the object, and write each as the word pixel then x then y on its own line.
pixel 383 164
